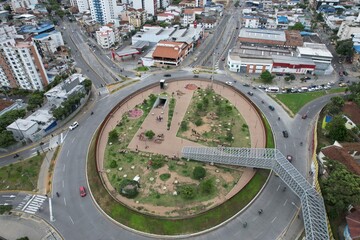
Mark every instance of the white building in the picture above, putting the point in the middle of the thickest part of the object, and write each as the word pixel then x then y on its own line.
pixel 82 5
pixel 66 88
pixel 163 3
pixel 21 66
pixel 47 43
pixel 150 6
pixel 321 56
pixel 250 21
pixel 348 28
pixel 23 129
pixel 105 37
pixel 105 11
pixel 23 3
pixel 7 32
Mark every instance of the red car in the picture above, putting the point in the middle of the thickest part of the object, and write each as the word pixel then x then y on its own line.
pixel 82 191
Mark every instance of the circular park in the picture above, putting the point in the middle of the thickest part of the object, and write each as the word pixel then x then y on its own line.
pixel 135 170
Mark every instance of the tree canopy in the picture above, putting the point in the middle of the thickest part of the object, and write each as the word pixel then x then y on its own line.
pixel 267 76
pixel 355 93
pixel 297 26
pixel 336 129
pixel 341 188
pixel 345 48
pixel 335 106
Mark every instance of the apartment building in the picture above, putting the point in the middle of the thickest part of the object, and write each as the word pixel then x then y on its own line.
pixel 150 6
pixel 347 29
pixel 106 37
pixel 47 43
pixel 105 11
pixel 21 65
pixel 82 5
pixel 15 4
pixel 136 17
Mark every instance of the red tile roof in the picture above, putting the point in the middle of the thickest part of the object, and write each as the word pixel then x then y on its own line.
pixel 352 110
pixel 341 154
pixel 353 221
pixel 4 104
pixel 168 49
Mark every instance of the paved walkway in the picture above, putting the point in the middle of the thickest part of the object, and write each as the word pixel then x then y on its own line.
pixel 43 179
pixel 25 225
pixel 172 144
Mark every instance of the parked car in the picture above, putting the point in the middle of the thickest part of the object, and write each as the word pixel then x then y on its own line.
pixel 74 125
pixel 345 73
pixel 342 84
pixel 82 191
pixel 341 73
pixel 196 76
pixel 246 85
pixel 271 108
pixel 229 83
pixel 307 78
pixel 167 75
pixel 250 93
pixel 285 134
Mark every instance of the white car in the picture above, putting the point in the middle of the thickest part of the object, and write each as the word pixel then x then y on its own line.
pixel 74 125
pixel 229 83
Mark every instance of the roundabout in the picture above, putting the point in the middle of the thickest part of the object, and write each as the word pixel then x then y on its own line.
pixel 167 207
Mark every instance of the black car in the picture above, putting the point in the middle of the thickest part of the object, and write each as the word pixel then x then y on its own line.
pixel 167 75
pixel 285 134
pixel 246 85
pixel 345 73
pixel 196 76
pixel 307 78
pixel 271 108
pixel 250 93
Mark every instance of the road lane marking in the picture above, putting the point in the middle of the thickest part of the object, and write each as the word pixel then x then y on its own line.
pixel 67 154
pixel 71 220
pixel 63 184
pixel 65 201
pixel 64 168
pixel 285 202
pixel 278 188
pixel 273 219
pixel 73 140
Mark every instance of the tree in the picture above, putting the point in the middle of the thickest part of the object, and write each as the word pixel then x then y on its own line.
pixel 6 138
pixel 199 172
pixel 113 136
pixel 335 106
pixel 266 76
pixel 336 128
pixel 297 26
pixel 87 85
pixel 149 134
pixel 354 93
pixel 207 186
pixel 341 188
pixel 188 192
pixel 128 188
pixel 320 17
pixel 345 48
pixel 9 117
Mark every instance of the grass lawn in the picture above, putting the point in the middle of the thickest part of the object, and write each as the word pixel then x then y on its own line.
pixel 295 101
pixel 22 175
pixel 142 69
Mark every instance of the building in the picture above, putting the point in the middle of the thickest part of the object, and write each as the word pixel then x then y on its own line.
pixel 249 21
pixel 136 17
pixel 348 29
pixel 7 31
pixel 37 29
pixel 82 5
pixel 47 43
pixel 321 56
pixel 23 129
pixel 15 4
pixel 282 22
pixel 105 37
pixel 9 105
pixel 292 65
pixel 170 53
pixel 262 36
pixel 163 3
pixel 169 17
pixel 209 22
pixel 105 11
pixel 150 6
pixel 21 66
pixel 189 15
pixel 65 89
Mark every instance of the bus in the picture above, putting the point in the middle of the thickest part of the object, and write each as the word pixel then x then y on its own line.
pixel 272 89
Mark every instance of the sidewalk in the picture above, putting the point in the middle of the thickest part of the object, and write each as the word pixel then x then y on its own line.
pixel 44 172
pixel 24 225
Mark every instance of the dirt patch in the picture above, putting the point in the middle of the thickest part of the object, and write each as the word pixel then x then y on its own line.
pixel 191 86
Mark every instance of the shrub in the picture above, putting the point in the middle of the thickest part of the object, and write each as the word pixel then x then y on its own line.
pixel 157 163
pixel 198 122
pixel 199 172
pixel 184 126
pixel 128 188
pixel 187 192
pixel 113 136
pixel 207 187
pixel 149 134
pixel 165 176
pixel 113 164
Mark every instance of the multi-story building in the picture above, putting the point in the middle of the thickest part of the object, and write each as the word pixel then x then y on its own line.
pixel 23 3
pixel 47 43
pixel 163 3
pixel 21 66
pixel 347 29
pixel 150 6
pixel 249 21
pixel 82 5
pixel 189 15
pixel 105 37
pixel 321 56
pixel 105 11
pixel 7 32
pixel 170 53
pixel 136 17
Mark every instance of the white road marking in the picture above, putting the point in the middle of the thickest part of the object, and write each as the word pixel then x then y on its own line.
pixel 285 202
pixel 67 154
pixel 273 219
pixel 73 140
pixel 63 184
pixel 278 188
pixel 71 220
pixel 64 168
pixel 65 203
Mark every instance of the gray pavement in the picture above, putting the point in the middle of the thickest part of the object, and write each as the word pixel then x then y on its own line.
pixel 25 225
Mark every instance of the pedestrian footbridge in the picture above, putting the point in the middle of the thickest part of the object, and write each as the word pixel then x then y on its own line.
pixel 313 208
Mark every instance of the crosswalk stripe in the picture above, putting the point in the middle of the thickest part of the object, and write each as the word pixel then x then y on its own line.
pixel 40 196
pixel 31 212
